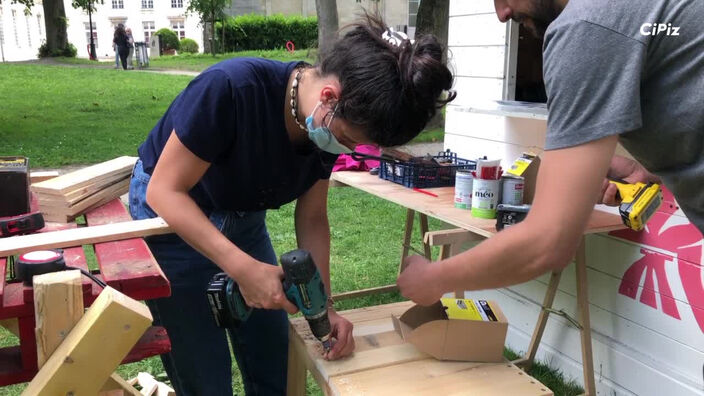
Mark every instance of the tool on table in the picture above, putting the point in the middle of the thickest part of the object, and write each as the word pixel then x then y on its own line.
pixel 38 262
pixel 508 215
pixel 639 202
pixel 302 285
pixel 14 179
pixel 22 224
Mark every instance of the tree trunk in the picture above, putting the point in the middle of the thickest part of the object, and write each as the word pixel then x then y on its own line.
pixel 55 23
pixel 433 18
pixel 327 24
pixel 212 32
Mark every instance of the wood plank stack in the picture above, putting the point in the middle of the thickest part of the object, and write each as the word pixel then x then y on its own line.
pixel 63 198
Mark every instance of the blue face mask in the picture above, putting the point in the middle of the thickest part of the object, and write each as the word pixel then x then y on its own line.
pixel 323 137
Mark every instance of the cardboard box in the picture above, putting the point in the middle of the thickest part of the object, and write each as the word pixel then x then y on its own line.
pixel 526 166
pixel 456 329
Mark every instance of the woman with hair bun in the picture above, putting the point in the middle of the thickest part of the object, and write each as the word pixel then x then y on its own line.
pixel 248 135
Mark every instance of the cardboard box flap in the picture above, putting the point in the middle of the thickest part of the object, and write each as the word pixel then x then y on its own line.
pixel 418 314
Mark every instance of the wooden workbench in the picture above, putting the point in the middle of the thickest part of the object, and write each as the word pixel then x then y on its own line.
pixel 126 265
pixel 442 208
pixel 383 364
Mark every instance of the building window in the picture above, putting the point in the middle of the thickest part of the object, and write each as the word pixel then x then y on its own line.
pixel 147 4
pixel 149 29
pixel 14 27
pixel 177 26
pixel 412 12
pixel 118 4
pixel 29 32
pixel 176 3
pixel 95 34
pixel 39 26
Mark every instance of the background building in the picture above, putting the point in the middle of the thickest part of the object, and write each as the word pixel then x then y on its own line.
pixel 144 17
pixel 20 35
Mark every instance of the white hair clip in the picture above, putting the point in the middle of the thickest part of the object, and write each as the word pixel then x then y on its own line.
pixel 393 37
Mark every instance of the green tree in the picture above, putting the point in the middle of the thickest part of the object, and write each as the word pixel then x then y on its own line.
pixel 55 25
pixel 209 12
pixel 89 7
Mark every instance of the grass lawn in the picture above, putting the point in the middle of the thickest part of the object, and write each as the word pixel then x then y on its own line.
pixel 69 115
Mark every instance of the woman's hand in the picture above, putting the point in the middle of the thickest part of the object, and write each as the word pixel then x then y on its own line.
pixel 260 285
pixel 342 333
pixel 417 283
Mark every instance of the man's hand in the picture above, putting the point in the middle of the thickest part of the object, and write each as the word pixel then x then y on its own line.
pixel 627 170
pixel 261 287
pixel 342 333
pixel 417 282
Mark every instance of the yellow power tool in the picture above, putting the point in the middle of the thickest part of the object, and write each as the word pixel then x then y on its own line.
pixel 639 202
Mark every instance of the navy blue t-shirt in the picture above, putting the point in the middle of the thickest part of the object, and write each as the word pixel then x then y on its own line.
pixel 232 115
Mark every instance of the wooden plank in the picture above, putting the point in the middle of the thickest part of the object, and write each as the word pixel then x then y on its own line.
pixel 423 230
pixel 369 360
pixel 529 357
pixel 115 382
pixel 364 292
pixel 85 176
pixel 143 278
pixel 296 375
pixel 450 237
pixel 112 325
pixel 434 377
pixel 72 198
pixel 583 307
pixel 101 197
pixel 40 176
pixel 84 235
pixel 58 306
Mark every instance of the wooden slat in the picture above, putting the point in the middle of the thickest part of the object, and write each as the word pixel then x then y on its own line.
pixel 73 197
pixel 370 360
pixel 85 235
pixel 143 278
pixel 105 195
pixel 85 176
pixel 36 177
pixel 449 237
pixel 111 326
pixel 364 292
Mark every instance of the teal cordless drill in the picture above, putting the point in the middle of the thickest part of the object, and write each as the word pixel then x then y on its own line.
pixel 302 285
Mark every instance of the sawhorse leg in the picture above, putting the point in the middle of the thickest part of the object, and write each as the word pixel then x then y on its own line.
pixel 584 323
pixel 450 242
pixel 408 232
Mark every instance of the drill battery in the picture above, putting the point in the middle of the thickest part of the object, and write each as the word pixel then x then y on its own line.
pixel 508 215
pixel 14 179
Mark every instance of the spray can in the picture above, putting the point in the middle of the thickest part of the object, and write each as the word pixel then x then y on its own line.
pixel 463 189
pixel 485 197
pixel 512 190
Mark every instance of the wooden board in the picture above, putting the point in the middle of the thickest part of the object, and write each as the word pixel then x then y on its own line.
pixel 36 177
pixel 74 197
pixel 72 208
pixel 84 235
pixel 443 208
pixel 384 364
pixel 94 348
pixel 58 306
pixel 82 177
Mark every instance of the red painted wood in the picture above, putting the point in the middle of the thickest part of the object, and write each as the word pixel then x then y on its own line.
pixel 11 371
pixel 155 341
pixel 28 342
pixel 127 265
pixel 3 271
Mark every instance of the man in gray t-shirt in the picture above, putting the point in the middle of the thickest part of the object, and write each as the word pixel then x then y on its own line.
pixel 629 71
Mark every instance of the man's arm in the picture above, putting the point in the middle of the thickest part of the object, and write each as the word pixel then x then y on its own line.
pixel 569 182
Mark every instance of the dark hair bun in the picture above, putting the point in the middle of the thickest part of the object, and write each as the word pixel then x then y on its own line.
pixel 389 88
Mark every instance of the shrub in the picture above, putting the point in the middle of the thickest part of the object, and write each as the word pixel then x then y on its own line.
pixel 69 52
pixel 258 32
pixel 169 39
pixel 189 45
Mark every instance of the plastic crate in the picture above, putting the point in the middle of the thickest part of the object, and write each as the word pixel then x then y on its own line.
pixel 420 175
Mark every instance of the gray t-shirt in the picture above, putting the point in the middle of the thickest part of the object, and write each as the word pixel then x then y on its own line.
pixel 606 73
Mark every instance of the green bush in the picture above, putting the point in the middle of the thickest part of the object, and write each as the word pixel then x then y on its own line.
pixel 189 45
pixel 258 32
pixel 69 52
pixel 169 39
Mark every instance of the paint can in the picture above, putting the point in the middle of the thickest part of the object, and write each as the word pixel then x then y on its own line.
pixel 512 190
pixel 463 189
pixel 485 198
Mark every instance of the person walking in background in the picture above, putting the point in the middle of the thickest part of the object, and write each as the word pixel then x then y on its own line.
pixel 130 42
pixel 121 42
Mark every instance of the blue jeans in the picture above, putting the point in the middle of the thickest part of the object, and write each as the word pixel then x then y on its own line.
pixel 199 362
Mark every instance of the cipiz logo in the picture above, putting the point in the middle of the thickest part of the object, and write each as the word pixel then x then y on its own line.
pixel 653 29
